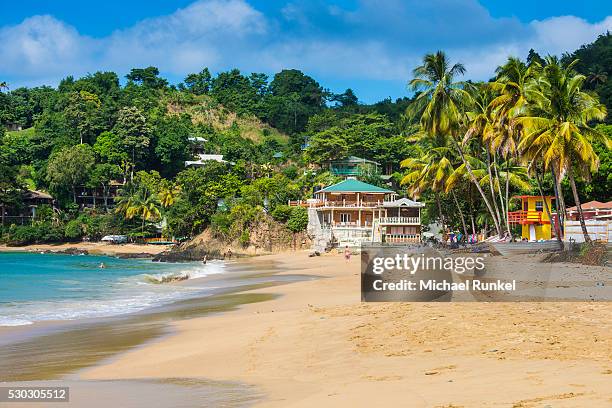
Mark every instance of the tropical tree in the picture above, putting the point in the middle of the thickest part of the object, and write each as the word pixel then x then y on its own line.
pixel 138 202
pixel 168 193
pixel 440 108
pixel 102 176
pixel 133 128
pixel 557 128
pixel 70 167
pixel 82 113
pixel 431 170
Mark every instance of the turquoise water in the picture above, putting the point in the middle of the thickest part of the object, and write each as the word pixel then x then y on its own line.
pixel 39 287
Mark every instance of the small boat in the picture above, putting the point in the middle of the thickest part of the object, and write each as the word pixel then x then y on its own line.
pixel 517 248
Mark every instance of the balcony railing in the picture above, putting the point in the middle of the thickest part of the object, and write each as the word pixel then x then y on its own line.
pixel 313 203
pixel 526 217
pixel 402 238
pixel 400 220
pixel 349 224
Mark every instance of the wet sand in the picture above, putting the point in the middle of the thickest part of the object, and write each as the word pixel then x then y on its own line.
pixel 50 350
pixel 317 345
pixel 94 248
pixel 312 343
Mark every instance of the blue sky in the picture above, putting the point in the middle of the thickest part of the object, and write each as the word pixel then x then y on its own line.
pixel 368 45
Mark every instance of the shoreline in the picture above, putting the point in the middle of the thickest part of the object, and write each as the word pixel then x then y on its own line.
pixel 92 248
pixel 315 344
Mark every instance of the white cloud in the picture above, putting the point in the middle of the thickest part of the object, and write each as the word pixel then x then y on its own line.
pixel 42 45
pixel 560 34
pixel 375 41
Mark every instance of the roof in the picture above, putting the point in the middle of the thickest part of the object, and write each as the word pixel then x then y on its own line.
pixel 196 139
pixel 593 205
pixel 278 155
pixel 354 186
pixel 355 159
pixel 533 196
pixel 403 202
pixel 35 194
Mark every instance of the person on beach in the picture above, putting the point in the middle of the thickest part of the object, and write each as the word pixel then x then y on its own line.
pixel 347 253
pixel 204 259
pixel 229 253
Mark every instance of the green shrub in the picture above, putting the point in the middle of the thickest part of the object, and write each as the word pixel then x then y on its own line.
pixel 245 238
pixel 73 230
pixel 298 221
pixel 281 213
pixel 291 172
pixel 221 224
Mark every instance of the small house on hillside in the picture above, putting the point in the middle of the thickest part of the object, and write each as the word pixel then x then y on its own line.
pixel 31 200
pixel 353 166
pixel 199 155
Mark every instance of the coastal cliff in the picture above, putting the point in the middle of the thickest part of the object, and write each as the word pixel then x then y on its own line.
pixel 265 237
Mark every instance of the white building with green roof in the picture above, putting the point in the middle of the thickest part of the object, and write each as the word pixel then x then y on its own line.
pixel 353 212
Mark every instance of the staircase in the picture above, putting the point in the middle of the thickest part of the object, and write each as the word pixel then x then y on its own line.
pixel 376 233
pixel 321 236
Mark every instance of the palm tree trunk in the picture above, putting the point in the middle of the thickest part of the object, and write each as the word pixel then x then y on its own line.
pixel 570 173
pixel 480 190
pixel 472 210
pixel 493 189
pixel 507 198
pixel 557 227
pixel 440 214
pixel 465 233
pixel 2 209
pixel 558 198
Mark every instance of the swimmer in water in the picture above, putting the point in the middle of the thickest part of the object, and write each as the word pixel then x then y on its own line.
pixel 102 266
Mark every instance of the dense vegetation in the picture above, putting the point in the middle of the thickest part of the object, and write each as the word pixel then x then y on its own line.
pixel 463 147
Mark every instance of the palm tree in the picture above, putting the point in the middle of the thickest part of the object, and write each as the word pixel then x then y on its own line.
pixel 431 171
pixel 481 128
pixel 168 193
pixel 138 202
pixel 558 131
pixel 440 107
pixel 512 83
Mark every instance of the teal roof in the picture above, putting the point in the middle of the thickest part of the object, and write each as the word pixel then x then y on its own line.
pixel 354 186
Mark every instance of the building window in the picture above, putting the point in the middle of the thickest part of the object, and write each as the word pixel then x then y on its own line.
pixel 345 217
pixel 539 205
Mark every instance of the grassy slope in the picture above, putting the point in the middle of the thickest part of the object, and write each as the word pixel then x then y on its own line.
pixel 203 109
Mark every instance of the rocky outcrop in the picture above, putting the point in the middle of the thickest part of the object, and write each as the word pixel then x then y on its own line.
pixel 265 237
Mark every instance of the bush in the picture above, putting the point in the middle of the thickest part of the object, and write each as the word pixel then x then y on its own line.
pixel 19 235
pixel 221 224
pixel 298 221
pixel 291 172
pixel 73 230
pixel 282 213
pixel 245 238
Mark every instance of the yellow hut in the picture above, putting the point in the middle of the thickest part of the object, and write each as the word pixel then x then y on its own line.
pixel 533 218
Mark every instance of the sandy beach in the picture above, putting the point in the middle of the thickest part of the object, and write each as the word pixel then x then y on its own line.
pixel 317 345
pixel 93 248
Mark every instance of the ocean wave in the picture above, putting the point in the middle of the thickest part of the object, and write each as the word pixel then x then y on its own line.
pixel 128 294
pixel 7 321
